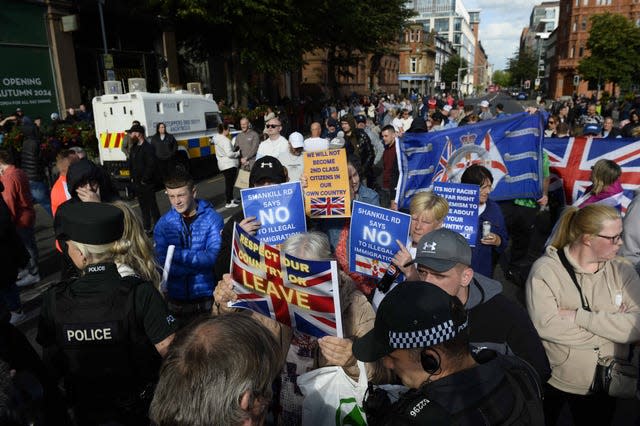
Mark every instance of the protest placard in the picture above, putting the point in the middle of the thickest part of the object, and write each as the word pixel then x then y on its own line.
pixel 373 236
pixel 464 200
pixel 279 209
pixel 302 294
pixel 327 193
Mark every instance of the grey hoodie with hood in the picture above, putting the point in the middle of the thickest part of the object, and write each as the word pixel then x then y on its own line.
pixel 503 325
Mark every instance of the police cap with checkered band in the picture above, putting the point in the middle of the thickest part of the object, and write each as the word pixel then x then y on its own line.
pixel 442 249
pixel 415 314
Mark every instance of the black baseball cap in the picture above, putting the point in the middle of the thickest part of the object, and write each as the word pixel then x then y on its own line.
pixel 415 314
pixel 442 249
pixel 267 167
pixel 89 223
pixel 361 118
pixel 136 128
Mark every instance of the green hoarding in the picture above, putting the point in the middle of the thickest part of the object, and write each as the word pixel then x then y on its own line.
pixel 26 75
pixel 26 81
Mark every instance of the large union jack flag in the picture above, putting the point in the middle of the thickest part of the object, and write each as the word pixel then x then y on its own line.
pixel 302 294
pixel 327 206
pixel 571 161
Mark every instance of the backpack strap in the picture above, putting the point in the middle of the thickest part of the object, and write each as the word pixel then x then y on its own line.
pixel 572 274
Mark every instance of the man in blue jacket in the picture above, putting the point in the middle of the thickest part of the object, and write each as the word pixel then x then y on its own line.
pixel 194 227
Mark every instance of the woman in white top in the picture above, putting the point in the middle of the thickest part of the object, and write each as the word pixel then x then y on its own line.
pixel 228 162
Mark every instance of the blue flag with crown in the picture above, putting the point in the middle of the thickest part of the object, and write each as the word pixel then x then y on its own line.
pixel 511 148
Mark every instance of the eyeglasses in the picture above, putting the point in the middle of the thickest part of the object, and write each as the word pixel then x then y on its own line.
pixel 614 240
pixel 272 126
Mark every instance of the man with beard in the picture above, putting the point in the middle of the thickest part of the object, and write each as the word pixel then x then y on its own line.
pixel 142 166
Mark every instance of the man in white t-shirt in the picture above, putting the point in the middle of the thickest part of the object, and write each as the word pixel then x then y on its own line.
pixel 275 144
pixel 293 160
pixel 315 142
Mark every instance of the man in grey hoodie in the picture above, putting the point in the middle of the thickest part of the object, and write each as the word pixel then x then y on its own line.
pixel 495 322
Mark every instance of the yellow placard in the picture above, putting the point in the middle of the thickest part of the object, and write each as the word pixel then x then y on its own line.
pixel 327 193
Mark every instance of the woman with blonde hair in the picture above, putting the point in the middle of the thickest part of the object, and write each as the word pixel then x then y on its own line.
pixel 583 300
pixel 133 253
pixel 428 211
pixel 606 187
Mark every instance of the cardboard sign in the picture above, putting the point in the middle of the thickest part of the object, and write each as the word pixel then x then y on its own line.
pixel 373 236
pixel 279 208
pixel 464 200
pixel 302 294
pixel 327 193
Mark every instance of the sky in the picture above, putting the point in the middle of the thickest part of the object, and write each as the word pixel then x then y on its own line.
pixel 501 23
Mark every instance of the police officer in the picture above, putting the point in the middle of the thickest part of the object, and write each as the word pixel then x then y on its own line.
pixel 103 333
pixel 420 332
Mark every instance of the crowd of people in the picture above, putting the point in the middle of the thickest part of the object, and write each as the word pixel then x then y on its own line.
pixel 123 343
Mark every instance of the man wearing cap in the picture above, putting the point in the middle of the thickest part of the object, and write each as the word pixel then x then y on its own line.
pixel 266 171
pixel 450 115
pixel 275 145
pixel 420 333
pixel 142 163
pixel 103 333
pixel 485 112
pixel 590 117
pixel 293 160
pixel 592 129
pixel 331 131
pixel 443 258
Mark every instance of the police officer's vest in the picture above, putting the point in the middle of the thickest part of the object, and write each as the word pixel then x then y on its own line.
pixel 106 353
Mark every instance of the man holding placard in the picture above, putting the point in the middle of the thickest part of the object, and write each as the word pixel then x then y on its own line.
pixel 265 171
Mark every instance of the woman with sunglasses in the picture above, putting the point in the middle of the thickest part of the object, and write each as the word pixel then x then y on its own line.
pixel 583 300
pixel 550 131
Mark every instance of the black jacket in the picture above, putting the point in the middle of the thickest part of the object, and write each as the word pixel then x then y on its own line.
pixel 31 158
pixel 503 325
pixel 499 390
pixel 142 163
pixel 164 149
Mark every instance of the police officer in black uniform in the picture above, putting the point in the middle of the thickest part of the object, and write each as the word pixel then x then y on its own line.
pixel 102 333
pixel 421 333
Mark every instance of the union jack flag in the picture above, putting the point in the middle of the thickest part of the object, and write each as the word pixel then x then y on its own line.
pixel 301 294
pixel 571 161
pixel 327 206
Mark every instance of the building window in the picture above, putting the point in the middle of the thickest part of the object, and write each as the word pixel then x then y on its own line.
pixel 574 27
pixel 413 65
pixel 585 2
pixel 573 52
pixel 456 38
pixel 580 51
pixel 457 24
pixel 584 23
pixel 441 25
pixel 577 3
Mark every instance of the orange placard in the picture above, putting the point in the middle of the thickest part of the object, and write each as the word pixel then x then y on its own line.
pixel 327 193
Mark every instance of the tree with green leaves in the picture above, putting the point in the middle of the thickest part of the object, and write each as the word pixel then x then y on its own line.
pixel 354 30
pixel 522 67
pixel 449 72
pixel 502 78
pixel 614 45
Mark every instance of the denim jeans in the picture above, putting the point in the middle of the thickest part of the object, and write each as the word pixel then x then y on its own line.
pixel 40 194
pixel 27 235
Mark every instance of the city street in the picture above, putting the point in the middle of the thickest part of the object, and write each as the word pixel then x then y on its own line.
pixel 212 189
